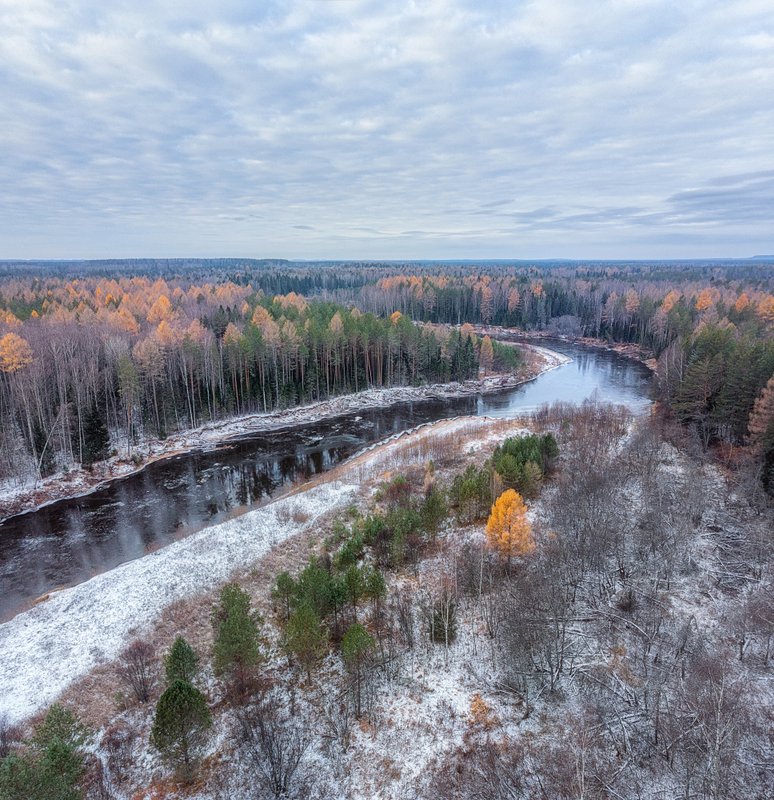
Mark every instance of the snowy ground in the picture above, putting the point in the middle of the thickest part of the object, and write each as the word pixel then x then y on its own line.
pixel 19 496
pixel 43 650
pixel 422 714
pixel 46 648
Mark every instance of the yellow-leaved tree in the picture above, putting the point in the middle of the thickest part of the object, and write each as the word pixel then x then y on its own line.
pixel 486 356
pixel 15 353
pixel 508 530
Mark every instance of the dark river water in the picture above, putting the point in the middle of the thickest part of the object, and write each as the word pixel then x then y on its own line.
pixel 69 541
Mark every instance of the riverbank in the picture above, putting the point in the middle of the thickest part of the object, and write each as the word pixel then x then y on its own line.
pixel 78 631
pixel 16 499
pixel 628 350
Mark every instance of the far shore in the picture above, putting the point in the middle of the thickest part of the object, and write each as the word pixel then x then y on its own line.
pixel 626 349
pixel 15 500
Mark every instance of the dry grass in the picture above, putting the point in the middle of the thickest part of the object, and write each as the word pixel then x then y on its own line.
pixel 446 443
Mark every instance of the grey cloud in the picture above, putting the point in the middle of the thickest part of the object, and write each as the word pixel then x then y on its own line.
pixel 349 128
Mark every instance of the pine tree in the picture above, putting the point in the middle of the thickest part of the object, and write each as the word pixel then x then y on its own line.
pixel 315 587
pixel 236 652
pixel 433 511
pixel 181 662
pixel 356 646
pixel 305 637
pixel 374 586
pixel 180 727
pixel 284 591
pixel 353 582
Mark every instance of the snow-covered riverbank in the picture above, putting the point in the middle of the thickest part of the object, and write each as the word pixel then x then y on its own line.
pixel 70 632
pixel 17 499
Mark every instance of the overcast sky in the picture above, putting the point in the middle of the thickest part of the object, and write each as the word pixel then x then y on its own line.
pixel 359 129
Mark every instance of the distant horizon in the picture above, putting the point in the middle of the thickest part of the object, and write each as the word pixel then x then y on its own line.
pixel 437 260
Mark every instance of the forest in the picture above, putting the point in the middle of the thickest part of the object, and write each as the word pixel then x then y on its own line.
pixel 570 605
pixel 89 366
pixel 93 361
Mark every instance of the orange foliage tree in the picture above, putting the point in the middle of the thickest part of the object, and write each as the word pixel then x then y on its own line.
pixel 706 299
pixel 508 530
pixel 486 358
pixel 766 308
pixel 15 353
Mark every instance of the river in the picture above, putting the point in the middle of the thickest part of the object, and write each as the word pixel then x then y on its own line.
pixel 69 541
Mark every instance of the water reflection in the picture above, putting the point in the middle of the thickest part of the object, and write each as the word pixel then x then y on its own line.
pixel 70 541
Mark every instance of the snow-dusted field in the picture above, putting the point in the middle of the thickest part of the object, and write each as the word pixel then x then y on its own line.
pixel 46 648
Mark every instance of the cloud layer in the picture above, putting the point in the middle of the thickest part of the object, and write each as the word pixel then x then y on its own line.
pixel 364 129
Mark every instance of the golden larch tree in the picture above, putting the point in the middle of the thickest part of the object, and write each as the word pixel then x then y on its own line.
pixel 741 302
pixel 486 356
pixel 15 353
pixel 508 530
pixel 766 308
pixel 487 305
pixel 631 302
pixel 707 298
pixel 466 332
pixel 670 301
pixel 160 311
pixel 336 324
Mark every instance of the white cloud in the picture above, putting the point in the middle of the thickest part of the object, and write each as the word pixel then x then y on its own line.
pixel 364 129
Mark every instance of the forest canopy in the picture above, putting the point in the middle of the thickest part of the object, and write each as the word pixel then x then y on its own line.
pixel 95 355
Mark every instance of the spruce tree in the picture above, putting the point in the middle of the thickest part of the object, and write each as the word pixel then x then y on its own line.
pixel 96 439
pixel 52 767
pixel 237 648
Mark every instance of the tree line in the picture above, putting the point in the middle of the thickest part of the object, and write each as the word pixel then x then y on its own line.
pixel 86 366
pixel 83 356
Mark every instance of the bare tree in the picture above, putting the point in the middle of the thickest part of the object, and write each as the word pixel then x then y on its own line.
pixel 276 746
pixel 488 771
pixel 137 669
pixel 337 718
pixel 404 611
pixel 710 714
